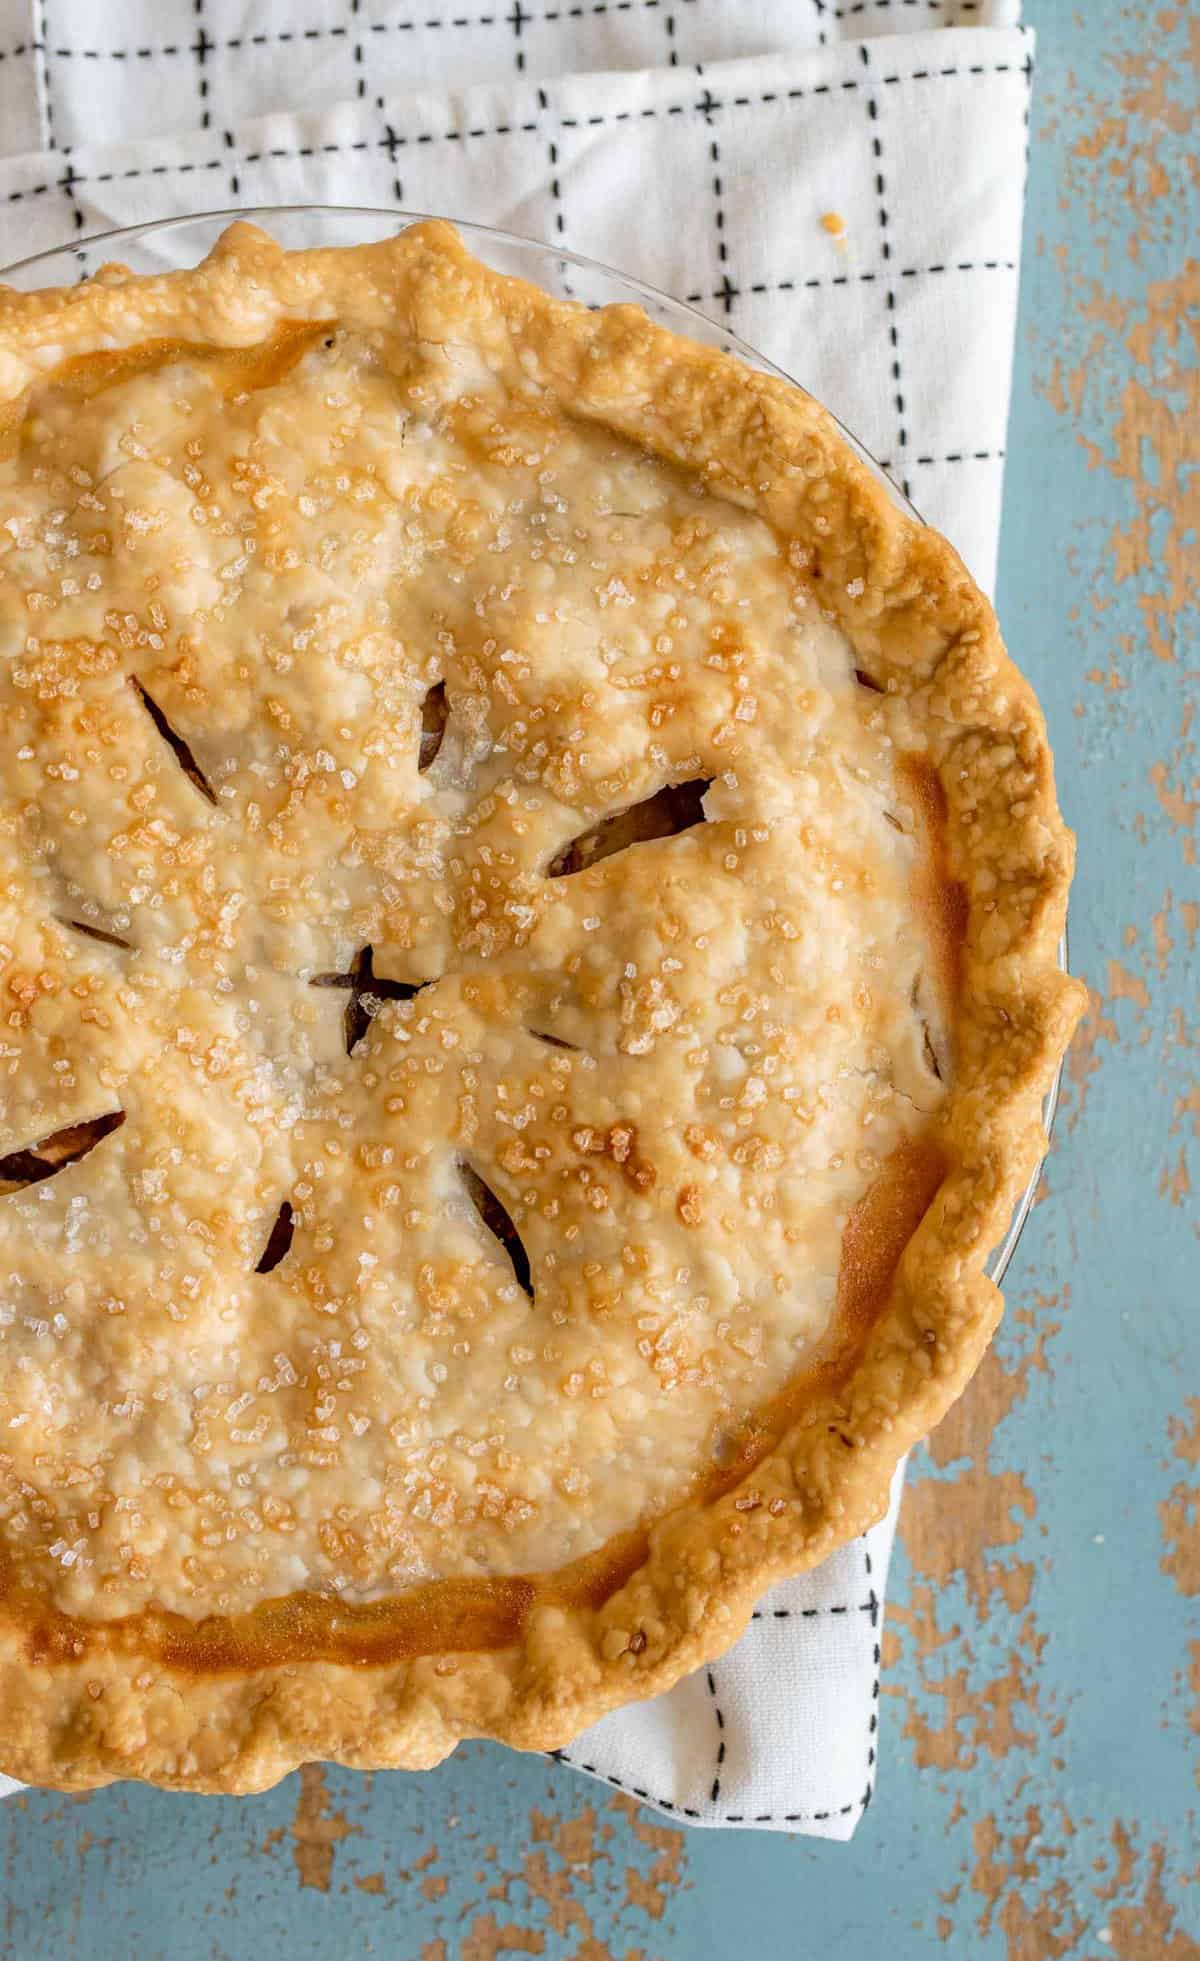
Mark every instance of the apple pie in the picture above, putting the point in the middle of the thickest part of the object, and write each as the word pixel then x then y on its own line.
pixel 529 906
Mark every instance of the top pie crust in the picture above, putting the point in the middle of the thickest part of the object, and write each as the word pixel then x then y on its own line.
pixel 693 846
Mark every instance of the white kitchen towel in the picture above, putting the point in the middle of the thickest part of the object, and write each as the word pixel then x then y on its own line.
pixel 840 184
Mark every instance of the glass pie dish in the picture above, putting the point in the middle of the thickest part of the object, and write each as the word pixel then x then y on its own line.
pixel 531 903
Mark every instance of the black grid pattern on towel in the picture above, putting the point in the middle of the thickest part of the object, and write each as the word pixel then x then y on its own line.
pixel 322 53
pixel 752 1654
pixel 569 161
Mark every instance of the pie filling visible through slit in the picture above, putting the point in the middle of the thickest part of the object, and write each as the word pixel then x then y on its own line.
pixel 511 945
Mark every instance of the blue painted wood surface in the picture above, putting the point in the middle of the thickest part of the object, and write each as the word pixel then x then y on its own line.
pixel 1041 1733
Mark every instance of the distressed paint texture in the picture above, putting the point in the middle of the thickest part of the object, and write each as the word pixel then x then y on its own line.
pixel 1038 1793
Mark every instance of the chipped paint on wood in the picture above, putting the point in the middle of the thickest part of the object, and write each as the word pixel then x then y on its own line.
pixel 316 1829
pixel 1179 1511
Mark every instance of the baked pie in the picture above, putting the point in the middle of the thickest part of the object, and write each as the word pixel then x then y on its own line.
pixel 529 896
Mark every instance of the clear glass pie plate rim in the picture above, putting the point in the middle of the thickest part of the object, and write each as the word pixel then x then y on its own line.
pixel 545 265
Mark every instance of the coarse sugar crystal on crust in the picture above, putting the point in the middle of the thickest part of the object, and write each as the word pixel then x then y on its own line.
pixel 529 905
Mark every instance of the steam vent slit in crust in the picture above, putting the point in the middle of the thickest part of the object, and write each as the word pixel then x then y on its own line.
pixel 529 895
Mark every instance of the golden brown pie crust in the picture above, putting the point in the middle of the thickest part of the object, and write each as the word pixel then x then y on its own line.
pixel 232 1702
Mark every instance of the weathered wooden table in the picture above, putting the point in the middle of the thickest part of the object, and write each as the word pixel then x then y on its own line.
pixel 1041 1735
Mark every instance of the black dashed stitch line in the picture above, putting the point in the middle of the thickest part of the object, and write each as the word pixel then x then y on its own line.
pixel 728 1817
pixel 287 35
pixel 156 170
pixel 822 30
pixel 886 249
pixel 937 6
pixel 1028 68
pixel 876 1653
pixel 43 62
pixel 857 278
pixel 293 34
pixel 201 47
pixel 715 1792
pixel 666 1804
pixel 67 183
pixel 115 177
pixel 714 106
pixel 555 181
pixel 360 80
pixel 237 41
pixel 517 20
pixel 813 1613
pixel 955 456
pixel 961 265
pixel 582 13
pixel 391 143
pixel 235 182
pixel 308 150
pixel 727 292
